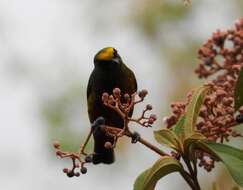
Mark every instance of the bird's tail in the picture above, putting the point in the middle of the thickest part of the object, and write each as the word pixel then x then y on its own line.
pixel 104 157
pixel 102 154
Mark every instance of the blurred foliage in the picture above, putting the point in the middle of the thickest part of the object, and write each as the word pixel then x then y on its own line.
pixel 152 15
pixel 225 182
pixel 165 25
pixel 61 114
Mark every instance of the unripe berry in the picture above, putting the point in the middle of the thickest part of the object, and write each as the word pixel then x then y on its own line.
pixel 142 93
pixel 105 97
pixel 65 170
pixel 117 92
pixel 77 174
pixel 126 97
pixel 153 116
pixel 88 158
pixel 108 145
pixel 56 144
pixel 58 153
pixel 70 174
pixel 150 121
pixel 83 170
pixel 208 61
pixel 149 107
pixel 239 118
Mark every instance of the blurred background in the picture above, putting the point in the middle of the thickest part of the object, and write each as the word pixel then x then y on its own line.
pixel 46 57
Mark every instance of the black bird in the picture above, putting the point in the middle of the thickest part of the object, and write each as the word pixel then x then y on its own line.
pixel 109 72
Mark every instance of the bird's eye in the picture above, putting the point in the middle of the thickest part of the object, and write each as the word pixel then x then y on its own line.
pixel 115 53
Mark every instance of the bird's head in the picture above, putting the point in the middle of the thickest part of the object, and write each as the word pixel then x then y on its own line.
pixel 107 57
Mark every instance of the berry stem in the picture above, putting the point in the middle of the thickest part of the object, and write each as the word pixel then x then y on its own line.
pixel 149 145
pixel 82 148
pixel 192 172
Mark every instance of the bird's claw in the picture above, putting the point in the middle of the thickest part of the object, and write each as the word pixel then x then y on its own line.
pixel 97 123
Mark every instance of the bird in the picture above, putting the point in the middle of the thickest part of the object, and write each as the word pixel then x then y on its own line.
pixel 109 72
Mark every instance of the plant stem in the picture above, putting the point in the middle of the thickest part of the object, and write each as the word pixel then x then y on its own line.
pixel 152 147
pixel 149 145
pixel 193 173
pixel 188 179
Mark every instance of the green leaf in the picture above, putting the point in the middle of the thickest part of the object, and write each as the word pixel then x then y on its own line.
pixel 239 91
pixel 193 110
pixel 230 156
pixel 190 141
pixel 161 168
pixel 178 128
pixel 167 138
pixel 138 185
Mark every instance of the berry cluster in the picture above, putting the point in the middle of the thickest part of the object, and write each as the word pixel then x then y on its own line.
pixel 221 57
pixel 124 105
pixel 76 160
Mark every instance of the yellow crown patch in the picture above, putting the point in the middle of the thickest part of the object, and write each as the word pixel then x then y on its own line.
pixel 106 54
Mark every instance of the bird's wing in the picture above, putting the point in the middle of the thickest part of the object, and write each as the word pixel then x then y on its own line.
pixel 131 80
pixel 90 97
pixel 130 84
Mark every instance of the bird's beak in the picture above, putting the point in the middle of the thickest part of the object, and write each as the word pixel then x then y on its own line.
pixel 116 60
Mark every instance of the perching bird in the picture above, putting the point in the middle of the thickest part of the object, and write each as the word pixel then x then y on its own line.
pixel 109 72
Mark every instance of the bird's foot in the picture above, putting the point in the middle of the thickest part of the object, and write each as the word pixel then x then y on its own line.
pixel 100 121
